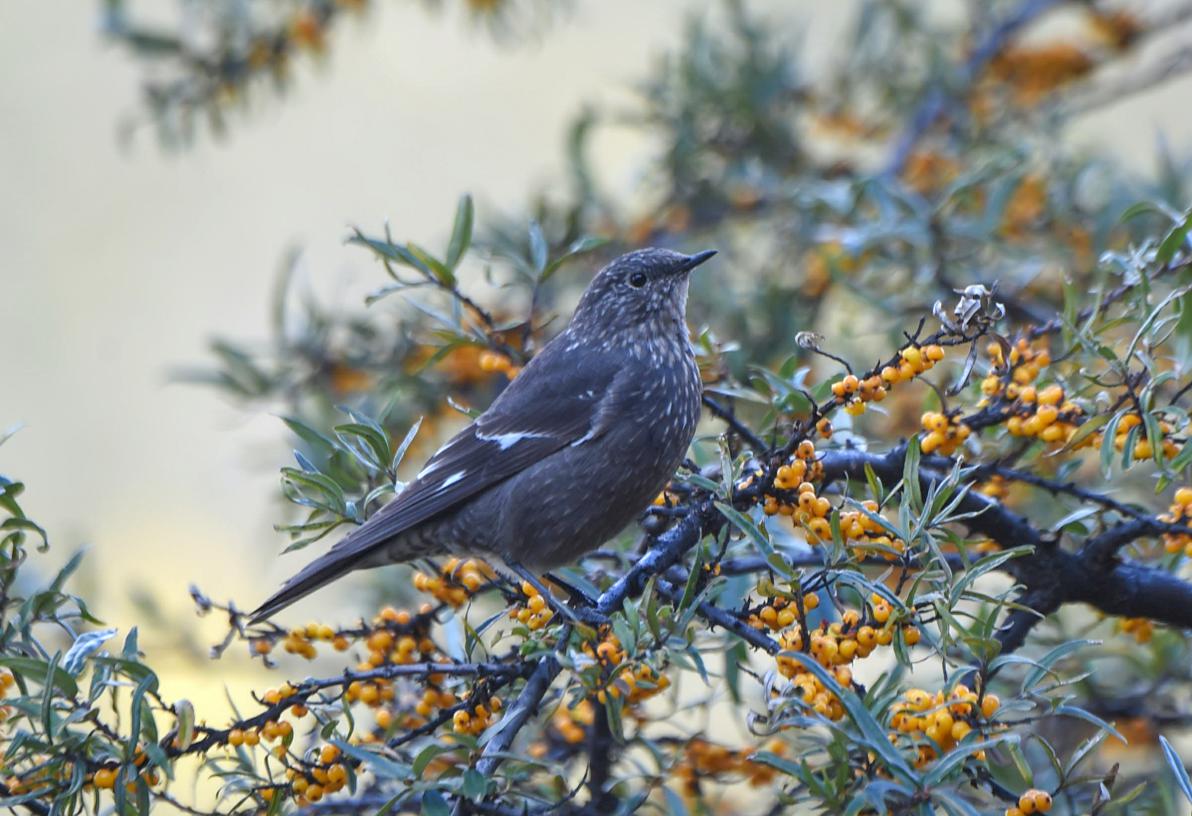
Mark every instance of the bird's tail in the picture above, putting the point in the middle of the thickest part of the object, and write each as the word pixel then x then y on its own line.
pixel 314 575
pixel 363 548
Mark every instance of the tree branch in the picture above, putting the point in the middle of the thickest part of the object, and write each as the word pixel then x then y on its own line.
pixel 1114 587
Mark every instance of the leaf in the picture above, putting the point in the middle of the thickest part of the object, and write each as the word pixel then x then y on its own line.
pixel 941 769
pixel 689 590
pixel 875 736
pixel 130 651
pixel 774 761
pixel 461 232
pixel 391 251
pixel 910 472
pixel 309 435
pixel 1177 767
pixel 538 248
pixel 578 247
pixel 674 802
pixel 1139 208
pixel 433 804
pixel 405 444
pixel 84 646
pixel 743 523
pixel 1172 242
pixel 1085 749
pixel 1083 432
pixel 32 668
pixel 141 716
pixel 185 712
pixel 1081 714
pixel 474 784
pixel 425 756
pixel 1051 658
pixel 382 766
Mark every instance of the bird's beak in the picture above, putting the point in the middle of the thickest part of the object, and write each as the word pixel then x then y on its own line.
pixel 695 260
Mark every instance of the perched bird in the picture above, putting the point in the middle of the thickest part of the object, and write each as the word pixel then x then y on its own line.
pixel 570 452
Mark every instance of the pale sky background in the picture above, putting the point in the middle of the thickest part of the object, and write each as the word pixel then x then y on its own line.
pixel 119 263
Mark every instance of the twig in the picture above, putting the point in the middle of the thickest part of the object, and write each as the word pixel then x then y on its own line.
pixel 1117 588
pixel 726 620
pixel 739 428
pixel 600 749
pixel 518 714
pixel 666 551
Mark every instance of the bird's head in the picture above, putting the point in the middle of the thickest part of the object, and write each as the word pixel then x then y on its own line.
pixel 642 290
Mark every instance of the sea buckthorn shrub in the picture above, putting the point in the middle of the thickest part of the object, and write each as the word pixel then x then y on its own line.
pixel 930 550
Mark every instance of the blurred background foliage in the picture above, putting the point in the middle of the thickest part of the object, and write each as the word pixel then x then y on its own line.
pixel 927 156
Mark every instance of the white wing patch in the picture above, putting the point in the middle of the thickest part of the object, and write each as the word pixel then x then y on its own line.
pixel 431 467
pixel 452 479
pixel 584 438
pixel 508 440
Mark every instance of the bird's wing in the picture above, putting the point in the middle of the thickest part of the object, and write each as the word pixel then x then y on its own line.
pixel 547 407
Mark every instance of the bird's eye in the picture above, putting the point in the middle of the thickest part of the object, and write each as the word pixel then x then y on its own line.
pixel 637 280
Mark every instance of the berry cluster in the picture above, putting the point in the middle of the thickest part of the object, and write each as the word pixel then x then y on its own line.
pixel 475 719
pixel 322 775
pixel 779 612
pixel 273 730
pixel 389 628
pixel 302 641
pixel 801 467
pixel 492 361
pixel 912 361
pixel 1044 414
pixel 1141 628
pixel 6 682
pixel 1022 368
pixel 853 393
pixel 1180 512
pixel 867 535
pixel 1033 801
pixel 795 496
pixel 858 528
pixel 635 684
pixel 794 493
pixel 534 613
pixel 1142 448
pixel 571 724
pixel 457 581
pixel 105 778
pixel 833 645
pixel 942 434
pixel 385 646
pixel 995 487
pixel 703 760
pixel 945 720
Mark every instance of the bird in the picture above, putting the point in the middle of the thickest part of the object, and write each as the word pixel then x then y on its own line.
pixel 569 453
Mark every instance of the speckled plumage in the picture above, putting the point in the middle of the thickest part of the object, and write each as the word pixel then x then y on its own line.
pixel 568 455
